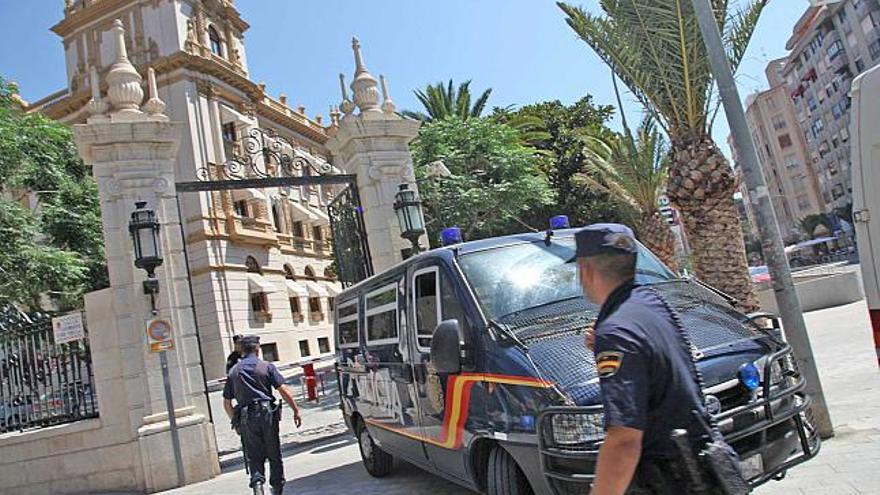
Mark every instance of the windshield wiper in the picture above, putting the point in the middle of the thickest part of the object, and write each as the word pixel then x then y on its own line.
pixel 504 333
pixel 531 308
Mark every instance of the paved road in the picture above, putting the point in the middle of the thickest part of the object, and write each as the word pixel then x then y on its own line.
pixel 848 463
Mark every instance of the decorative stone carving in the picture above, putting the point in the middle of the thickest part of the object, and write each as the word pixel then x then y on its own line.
pixel 387 104
pixel 160 185
pixel 123 80
pixel 154 106
pixel 96 105
pixel 364 85
pixel 347 105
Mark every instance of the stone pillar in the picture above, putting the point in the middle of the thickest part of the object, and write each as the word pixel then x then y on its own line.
pixel 133 151
pixel 374 145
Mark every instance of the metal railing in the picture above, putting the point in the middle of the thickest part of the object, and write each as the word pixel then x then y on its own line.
pixel 41 383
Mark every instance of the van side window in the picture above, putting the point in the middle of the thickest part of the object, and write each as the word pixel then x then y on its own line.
pixel 381 313
pixel 427 307
pixel 435 301
pixel 347 318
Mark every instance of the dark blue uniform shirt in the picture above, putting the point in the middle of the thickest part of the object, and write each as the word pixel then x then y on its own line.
pixel 252 379
pixel 645 371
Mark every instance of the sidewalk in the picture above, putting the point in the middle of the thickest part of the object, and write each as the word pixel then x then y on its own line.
pixel 849 463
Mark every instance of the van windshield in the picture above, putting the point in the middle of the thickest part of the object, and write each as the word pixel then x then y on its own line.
pixel 514 278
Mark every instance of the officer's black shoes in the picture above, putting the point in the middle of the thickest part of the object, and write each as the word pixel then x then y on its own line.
pixel 277 491
pixel 258 489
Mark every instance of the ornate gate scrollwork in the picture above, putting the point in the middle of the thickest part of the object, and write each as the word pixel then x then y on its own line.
pixel 260 154
pixel 350 247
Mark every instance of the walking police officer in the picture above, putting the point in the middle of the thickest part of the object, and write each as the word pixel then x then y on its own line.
pixel 256 415
pixel 650 386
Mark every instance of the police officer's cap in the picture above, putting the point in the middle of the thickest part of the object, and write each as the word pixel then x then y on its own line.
pixel 604 238
pixel 237 337
pixel 250 340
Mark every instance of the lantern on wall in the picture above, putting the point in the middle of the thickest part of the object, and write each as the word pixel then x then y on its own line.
pixel 409 216
pixel 144 230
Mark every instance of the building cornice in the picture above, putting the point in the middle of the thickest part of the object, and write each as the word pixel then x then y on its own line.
pixel 264 105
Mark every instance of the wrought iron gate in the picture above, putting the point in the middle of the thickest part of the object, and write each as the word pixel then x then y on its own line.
pixel 350 247
pixel 41 383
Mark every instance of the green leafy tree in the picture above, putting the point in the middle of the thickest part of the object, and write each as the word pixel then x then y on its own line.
pixel 55 249
pixel 441 101
pixel 657 50
pixel 558 132
pixel 495 181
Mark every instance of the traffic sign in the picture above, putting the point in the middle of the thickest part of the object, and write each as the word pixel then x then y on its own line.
pixel 159 335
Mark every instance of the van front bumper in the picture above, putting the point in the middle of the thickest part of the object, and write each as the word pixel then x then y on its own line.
pixel 771 433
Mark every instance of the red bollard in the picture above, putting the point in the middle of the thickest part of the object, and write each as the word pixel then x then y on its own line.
pixel 311 382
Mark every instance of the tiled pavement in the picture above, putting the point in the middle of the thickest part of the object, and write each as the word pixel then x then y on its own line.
pixel 848 464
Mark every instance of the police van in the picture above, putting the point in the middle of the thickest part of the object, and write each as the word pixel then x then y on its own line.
pixel 469 362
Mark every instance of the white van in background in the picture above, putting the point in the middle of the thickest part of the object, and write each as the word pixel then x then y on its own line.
pixel 865 131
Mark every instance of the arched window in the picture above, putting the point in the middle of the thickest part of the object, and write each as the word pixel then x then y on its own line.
pixel 310 273
pixel 216 44
pixel 288 273
pixel 252 265
pixel 329 273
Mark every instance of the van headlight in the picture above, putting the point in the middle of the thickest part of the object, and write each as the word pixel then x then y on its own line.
pixel 574 429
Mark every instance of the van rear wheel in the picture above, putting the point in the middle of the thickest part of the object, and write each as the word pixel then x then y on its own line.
pixel 377 461
pixel 504 476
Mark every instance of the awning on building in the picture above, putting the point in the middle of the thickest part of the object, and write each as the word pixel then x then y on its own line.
pixel 257 283
pixel 303 212
pixel 295 289
pixel 333 289
pixel 322 219
pixel 315 289
pixel 249 193
pixel 227 113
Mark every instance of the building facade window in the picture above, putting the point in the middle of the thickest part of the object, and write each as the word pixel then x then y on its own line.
pixel 297 229
pixel 315 309
pixel 242 208
pixel 791 162
pixel 304 349
pixel 784 141
pixel 269 352
pixel 834 50
pixel 874 49
pixel 295 310
pixel 229 133
pixel 214 39
pixel 817 127
pixel 811 102
pixel 323 345
pixel 276 216
pixel 779 123
pixel 309 273
pixel 317 233
pixel 860 65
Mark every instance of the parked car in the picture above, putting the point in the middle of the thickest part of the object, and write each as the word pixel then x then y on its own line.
pixel 468 361
pixel 759 274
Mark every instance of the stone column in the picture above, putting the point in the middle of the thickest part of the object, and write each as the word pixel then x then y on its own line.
pixel 374 145
pixel 133 151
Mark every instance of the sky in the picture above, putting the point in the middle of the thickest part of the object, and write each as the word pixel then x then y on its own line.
pixel 522 49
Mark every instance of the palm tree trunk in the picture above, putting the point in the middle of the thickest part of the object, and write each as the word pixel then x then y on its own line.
pixel 701 185
pixel 655 233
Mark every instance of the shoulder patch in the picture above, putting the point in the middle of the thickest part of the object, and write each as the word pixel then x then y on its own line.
pixel 608 363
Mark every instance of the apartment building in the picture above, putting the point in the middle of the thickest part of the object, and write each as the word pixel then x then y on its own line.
pixel 259 259
pixel 782 151
pixel 830 45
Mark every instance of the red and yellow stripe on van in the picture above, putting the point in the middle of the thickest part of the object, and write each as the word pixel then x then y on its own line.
pixel 458 396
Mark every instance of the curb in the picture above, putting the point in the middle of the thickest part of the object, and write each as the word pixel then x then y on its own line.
pixel 234 457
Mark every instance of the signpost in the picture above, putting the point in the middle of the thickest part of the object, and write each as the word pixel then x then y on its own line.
pixel 68 328
pixel 160 337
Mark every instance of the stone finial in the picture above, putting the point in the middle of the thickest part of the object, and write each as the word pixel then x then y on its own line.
pixel 154 106
pixel 387 103
pixel 319 119
pixel 347 105
pixel 301 110
pixel 123 81
pixel 335 115
pixel 364 85
pixel 96 105
pixel 283 99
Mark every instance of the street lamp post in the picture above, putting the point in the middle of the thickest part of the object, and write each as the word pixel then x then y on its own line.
pixel 783 286
pixel 409 216
pixel 144 229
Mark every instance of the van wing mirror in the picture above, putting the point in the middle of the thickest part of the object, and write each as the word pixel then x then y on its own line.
pixel 446 348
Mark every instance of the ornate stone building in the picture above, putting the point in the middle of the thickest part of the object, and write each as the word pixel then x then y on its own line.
pixel 259 260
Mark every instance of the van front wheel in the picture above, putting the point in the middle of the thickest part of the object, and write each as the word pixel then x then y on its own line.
pixel 377 461
pixel 504 476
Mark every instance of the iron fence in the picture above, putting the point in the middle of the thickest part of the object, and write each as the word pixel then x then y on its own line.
pixel 41 383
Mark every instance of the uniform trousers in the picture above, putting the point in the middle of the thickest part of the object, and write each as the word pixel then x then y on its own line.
pixel 261 440
pixel 664 477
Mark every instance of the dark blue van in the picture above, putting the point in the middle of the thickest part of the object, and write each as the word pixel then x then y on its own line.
pixel 469 362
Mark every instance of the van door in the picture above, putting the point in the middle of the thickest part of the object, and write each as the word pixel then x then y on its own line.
pixel 434 300
pixel 386 385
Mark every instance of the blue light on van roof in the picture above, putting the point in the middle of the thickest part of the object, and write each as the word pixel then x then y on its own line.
pixel 559 222
pixel 527 422
pixel 450 235
pixel 748 375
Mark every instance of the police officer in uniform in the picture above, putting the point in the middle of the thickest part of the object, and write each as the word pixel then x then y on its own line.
pixel 256 414
pixel 234 356
pixel 648 379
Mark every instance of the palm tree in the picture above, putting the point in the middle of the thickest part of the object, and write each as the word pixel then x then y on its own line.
pixel 657 50
pixel 633 169
pixel 441 101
